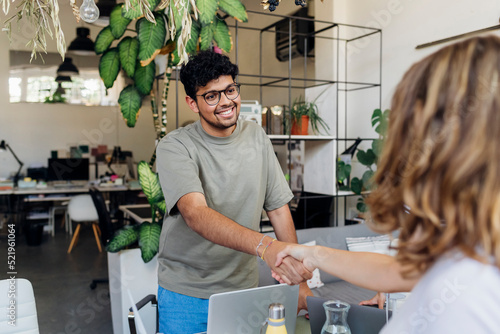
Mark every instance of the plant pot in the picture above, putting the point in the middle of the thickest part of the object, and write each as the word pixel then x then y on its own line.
pixel 128 272
pixel 300 128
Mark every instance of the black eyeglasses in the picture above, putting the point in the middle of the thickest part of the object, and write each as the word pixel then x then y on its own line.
pixel 213 97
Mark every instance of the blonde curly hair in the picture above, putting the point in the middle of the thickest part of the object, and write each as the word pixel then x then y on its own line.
pixel 438 178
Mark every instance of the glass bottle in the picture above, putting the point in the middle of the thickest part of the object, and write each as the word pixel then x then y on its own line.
pixel 336 317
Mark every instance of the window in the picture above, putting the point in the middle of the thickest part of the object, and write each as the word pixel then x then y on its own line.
pixel 37 84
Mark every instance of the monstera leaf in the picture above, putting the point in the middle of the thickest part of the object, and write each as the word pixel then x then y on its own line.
pixel 207 35
pixel 222 36
pixel 130 102
pixel 380 121
pixel 149 240
pixel 150 183
pixel 144 77
pixel 151 38
pixel 128 49
pixel 117 22
pixel 134 11
pixel 109 66
pixel 103 40
pixel 235 9
pixel 207 9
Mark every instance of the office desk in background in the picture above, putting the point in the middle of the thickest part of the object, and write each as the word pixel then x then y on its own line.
pixel 138 212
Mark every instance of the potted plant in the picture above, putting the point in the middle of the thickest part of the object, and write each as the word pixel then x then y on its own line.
pixel 368 158
pixel 303 113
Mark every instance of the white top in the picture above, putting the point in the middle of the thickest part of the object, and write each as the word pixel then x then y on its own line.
pixel 456 295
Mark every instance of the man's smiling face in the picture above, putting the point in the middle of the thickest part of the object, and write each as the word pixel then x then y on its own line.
pixel 218 120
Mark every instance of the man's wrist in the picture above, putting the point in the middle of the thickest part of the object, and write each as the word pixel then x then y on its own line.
pixel 266 243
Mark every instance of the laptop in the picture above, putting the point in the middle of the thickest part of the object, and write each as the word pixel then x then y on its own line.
pixel 245 311
pixel 361 319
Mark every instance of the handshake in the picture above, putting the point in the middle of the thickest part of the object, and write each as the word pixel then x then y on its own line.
pixel 290 263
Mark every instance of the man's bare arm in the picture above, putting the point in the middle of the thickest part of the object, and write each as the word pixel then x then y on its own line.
pixel 225 232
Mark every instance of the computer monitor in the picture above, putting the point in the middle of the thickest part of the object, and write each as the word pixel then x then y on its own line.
pixel 68 170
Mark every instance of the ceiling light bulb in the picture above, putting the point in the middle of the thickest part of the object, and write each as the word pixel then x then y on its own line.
pixel 89 11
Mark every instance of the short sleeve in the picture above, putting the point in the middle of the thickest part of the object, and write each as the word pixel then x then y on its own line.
pixel 178 172
pixel 278 191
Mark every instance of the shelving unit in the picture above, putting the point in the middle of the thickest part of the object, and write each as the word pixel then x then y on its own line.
pixel 329 72
pixel 332 66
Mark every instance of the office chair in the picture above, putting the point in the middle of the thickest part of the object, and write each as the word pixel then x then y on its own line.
pixel 313 210
pixel 82 210
pixel 26 319
pixel 106 225
pixel 139 305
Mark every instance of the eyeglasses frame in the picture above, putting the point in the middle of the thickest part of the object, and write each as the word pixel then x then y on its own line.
pixel 237 85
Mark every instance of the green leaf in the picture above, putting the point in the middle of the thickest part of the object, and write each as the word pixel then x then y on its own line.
pixel 128 48
pixel 178 17
pixel 149 240
pixel 103 40
pixel 361 205
pixel 377 145
pixel 135 12
pixel 162 206
pixel 235 9
pixel 151 37
pixel 192 44
pixel 109 66
pixel 222 36
pixel 130 102
pixel 117 22
pixel 343 171
pixel 150 183
pixel 125 237
pixel 366 158
pixel 175 57
pixel 367 179
pixel 207 9
pixel 144 77
pixel 380 121
pixel 356 185
pixel 207 35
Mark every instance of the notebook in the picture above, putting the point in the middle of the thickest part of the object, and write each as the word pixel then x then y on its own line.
pixel 245 311
pixel 361 319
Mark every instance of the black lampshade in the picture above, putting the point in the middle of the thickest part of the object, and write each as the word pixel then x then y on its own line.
pixel 67 68
pixel 61 78
pixel 2 146
pixel 82 44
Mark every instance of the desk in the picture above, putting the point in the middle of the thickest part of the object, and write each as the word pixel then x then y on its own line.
pixel 43 198
pixel 138 212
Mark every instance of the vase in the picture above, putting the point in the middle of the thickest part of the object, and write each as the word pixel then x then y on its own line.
pixel 300 128
pixel 336 317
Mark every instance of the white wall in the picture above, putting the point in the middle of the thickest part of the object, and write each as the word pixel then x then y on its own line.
pixel 406 24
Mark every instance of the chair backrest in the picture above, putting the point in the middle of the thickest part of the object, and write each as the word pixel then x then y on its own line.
pixel 105 224
pixel 24 313
pixel 81 209
pixel 313 210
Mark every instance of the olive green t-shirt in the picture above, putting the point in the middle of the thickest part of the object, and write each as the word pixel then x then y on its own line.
pixel 239 176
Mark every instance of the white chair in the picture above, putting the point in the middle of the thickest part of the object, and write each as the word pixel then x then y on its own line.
pixel 26 320
pixel 81 209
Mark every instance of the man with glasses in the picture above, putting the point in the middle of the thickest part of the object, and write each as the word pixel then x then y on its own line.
pixel 217 175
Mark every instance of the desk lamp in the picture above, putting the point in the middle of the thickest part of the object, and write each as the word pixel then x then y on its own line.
pixel 3 147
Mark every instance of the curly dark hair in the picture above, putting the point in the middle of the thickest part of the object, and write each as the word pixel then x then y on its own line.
pixel 203 68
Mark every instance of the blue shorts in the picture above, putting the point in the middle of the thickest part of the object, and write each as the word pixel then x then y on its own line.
pixel 181 314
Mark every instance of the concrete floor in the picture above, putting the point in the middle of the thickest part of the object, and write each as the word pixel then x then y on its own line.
pixel 65 303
